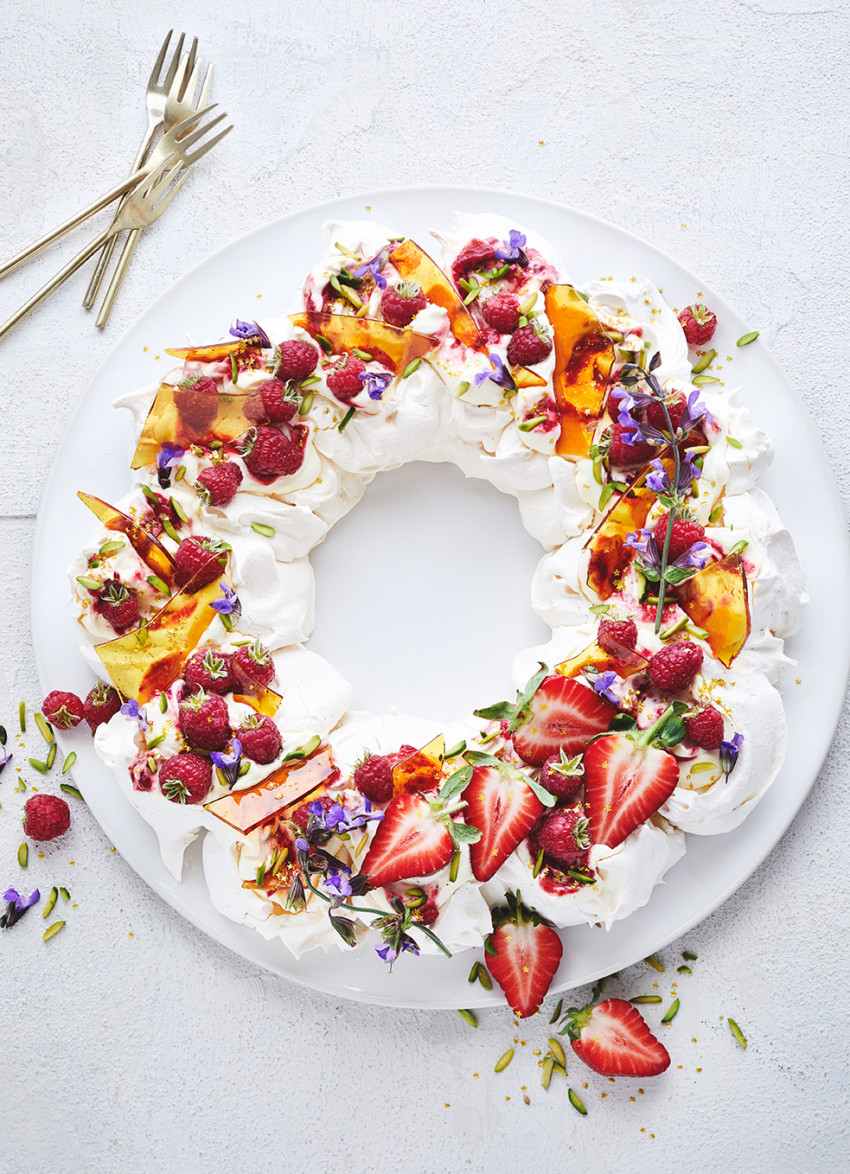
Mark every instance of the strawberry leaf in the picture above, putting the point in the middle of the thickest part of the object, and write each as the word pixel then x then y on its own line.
pixel 542 794
pixel 479 758
pixel 464 833
pixel 526 695
pixel 454 784
pixel 501 711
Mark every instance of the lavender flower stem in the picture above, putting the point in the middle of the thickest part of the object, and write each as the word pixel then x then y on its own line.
pixel 350 908
pixel 662 584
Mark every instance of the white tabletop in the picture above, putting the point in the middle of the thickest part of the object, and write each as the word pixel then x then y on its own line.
pixel 131 1041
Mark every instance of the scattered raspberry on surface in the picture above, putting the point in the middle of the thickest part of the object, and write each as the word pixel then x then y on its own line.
pixel 685 534
pixel 274 454
pixel 344 381
pixel 210 670
pixel 529 345
pixel 401 304
pixel 673 668
pixel 558 783
pixel 616 635
pixel 374 778
pixel 261 739
pixel 118 604
pixel 46 817
pixel 186 778
pixel 204 720
pixel 502 312
pixel 102 703
pixel 218 484
pixel 199 560
pixel 477 254
pixel 64 710
pixel 252 665
pixel 705 727
pixel 625 455
pixel 699 324
pixel 563 836
pixel 297 360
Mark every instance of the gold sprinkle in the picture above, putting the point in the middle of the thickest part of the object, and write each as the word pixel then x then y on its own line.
pixel 640 1092
pixel 368 207
pixel 144 348
pixel 446 1104
pixel 652 1135
pixel 684 226
pixel 507 1098
pixel 631 1098
pixel 797 681
pixel 604 1095
pixel 540 143
pixel 259 295
pixel 157 356
pixel 699 1069
pixel 475 1074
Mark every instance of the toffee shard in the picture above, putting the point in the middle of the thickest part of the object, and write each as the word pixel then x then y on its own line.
pixel 583 357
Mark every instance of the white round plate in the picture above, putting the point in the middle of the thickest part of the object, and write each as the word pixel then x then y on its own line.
pixel 273 261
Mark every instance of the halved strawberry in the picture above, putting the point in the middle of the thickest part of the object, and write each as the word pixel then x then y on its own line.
pixel 505 809
pixel 612 1038
pixel 523 955
pixel 410 841
pixel 561 715
pixel 624 784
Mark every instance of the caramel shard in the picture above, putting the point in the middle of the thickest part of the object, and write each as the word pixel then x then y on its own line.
pixel 182 416
pixel 717 600
pixel 261 698
pixel 149 659
pixel 609 556
pixel 525 378
pixel 393 346
pixel 414 264
pixel 145 545
pixel 282 789
pixel 583 357
pixel 625 663
pixel 421 771
pixel 209 354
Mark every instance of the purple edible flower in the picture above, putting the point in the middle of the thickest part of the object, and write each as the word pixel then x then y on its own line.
pixel 250 332
pixel 229 764
pixel 602 685
pixel 513 249
pixel 729 752
pixel 343 819
pixel 695 556
pixel 6 757
pixel 228 602
pixel 131 711
pixel 389 953
pixel 659 481
pixel 338 883
pixel 169 455
pixel 375 383
pixel 499 375
pixel 374 268
pixel 649 554
pixel 17 906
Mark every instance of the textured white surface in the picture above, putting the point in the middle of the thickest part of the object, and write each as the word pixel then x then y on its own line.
pixel 132 1042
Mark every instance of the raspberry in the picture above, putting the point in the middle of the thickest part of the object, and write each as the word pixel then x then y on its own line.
pixel 476 255
pixel 196 403
pixel 626 455
pixel 705 727
pixel 655 413
pixel 502 312
pixel 699 324
pixel 614 636
pixel 685 534
pixel 428 913
pixel 344 381
pixel 297 360
pixel 46 817
pixel 204 720
pixel 118 604
pixel 64 710
pixel 301 814
pixel 399 755
pixel 209 670
pixel 279 401
pixel 673 668
pixel 102 703
pixel 529 345
pixel 199 561
pixel 217 484
pixel 260 738
pixel 274 454
pixel 374 778
pixel 563 836
pixel 556 781
pixel 252 665
pixel 400 306
pixel 185 778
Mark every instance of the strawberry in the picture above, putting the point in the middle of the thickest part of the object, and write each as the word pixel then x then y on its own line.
pixel 418 836
pixel 499 801
pixel 523 955
pixel 613 1039
pixel 627 778
pixel 558 714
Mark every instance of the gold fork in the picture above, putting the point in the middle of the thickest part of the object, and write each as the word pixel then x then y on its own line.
pixel 146 204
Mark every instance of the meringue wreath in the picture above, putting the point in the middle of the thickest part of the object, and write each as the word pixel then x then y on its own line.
pixel 667 579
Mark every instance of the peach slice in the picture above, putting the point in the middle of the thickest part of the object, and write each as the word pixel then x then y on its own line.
pixel 583 357
pixel 421 771
pixel 596 657
pixel 150 658
pixel 393 346
pixel 183 416
pixel 414 264
pixel 717 600
pixel 280 790
pixel 145 545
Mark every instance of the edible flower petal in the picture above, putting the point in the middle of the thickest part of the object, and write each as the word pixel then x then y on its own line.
pixel 513 249
pixel 17 906
pixel 133 713
pixel 375 383
pixel 251 332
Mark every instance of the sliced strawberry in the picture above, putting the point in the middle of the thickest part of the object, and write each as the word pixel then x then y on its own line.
pixel 612 1038
pixel 505 809
pixel 527 956
pixel 562 715
pixel 410 842
pixel 625 784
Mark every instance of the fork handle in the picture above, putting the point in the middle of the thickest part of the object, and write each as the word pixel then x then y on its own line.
pixel 118 276
pixel 54 283
pixel 113 194
pixel 108 249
